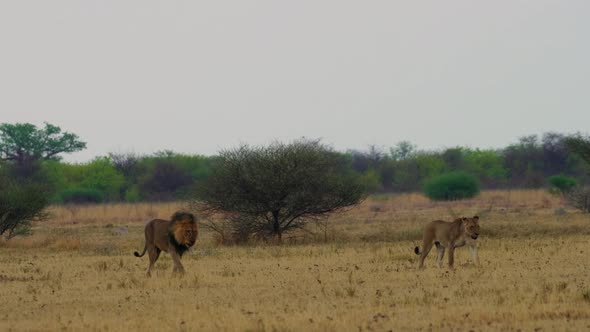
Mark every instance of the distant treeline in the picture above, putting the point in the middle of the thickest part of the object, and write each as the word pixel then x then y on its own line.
pixel 402 168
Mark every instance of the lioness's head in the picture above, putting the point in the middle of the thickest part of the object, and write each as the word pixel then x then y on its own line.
pixel 184 228
pixel 471 227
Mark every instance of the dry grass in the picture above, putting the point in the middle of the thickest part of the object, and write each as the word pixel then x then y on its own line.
pixel 77 273
pixel 110 213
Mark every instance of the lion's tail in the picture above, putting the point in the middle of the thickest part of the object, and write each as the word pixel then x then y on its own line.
pixel 137 254
pixel 417 250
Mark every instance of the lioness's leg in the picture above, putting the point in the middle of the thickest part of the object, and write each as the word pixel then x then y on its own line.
pixel 440 252
pixel 153 253
pixel 426 246
pixel 176 259
pixel 451 255
pixel 473 252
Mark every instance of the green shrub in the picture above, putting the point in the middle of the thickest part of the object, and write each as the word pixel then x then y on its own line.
pixel 561 184
pixel 371 181
pixel 451 186
pixel 99 175
pixel 102 177
pixel 20 203
pixel 132 194
pixel 82 195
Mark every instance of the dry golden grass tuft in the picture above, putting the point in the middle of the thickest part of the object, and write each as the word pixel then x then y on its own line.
pixel 78 273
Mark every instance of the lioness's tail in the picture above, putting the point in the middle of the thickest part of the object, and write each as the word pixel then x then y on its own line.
pixel 417 250
pixel 137 254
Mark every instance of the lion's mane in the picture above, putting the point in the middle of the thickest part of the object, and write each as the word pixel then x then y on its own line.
pixel 182 231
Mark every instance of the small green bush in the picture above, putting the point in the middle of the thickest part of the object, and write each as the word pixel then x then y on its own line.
pixel 20 203
pixel 132 194
pixel 561 184
pixel 451 186
pixel 81 196
pixel 371 181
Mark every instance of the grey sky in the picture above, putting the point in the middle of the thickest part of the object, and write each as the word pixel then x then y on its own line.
pixel 196 76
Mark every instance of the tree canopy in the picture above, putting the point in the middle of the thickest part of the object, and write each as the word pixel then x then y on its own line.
pixel 273 189
pixel 24 142
pixel 580 146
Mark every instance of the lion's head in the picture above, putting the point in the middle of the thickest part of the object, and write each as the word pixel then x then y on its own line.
pixel 183 230
pixel 471 227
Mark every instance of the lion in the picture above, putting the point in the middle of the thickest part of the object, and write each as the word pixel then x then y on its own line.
pixel 174 236
pixel 450 235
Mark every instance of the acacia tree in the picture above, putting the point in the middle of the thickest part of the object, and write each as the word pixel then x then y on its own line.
pixel 402 150
pixel 267 191
pixel 24 143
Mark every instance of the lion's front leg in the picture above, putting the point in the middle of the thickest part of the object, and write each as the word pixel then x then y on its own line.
pixel 473 253
pixel 178 268
pixel 451 255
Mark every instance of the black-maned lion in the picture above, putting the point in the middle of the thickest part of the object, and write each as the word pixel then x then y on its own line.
pixel 449 235
pixel 174 236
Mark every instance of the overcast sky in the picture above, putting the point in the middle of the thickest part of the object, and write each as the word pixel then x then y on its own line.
pixel 196 77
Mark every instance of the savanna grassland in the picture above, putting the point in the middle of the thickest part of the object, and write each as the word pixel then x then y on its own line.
pixel 77 272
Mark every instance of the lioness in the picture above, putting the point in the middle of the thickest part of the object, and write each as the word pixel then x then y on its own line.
pixel 174 236
pixel 449 235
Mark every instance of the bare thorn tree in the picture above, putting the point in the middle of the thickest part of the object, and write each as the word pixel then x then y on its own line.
pixel 20 204
pixel 579 197
pixel 267 191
